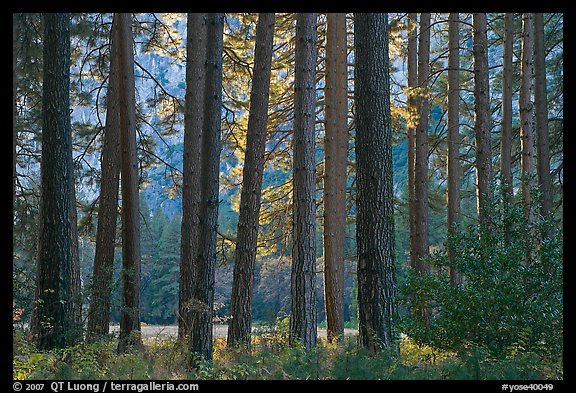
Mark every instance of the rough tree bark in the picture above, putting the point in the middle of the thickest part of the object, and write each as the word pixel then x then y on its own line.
pixel 240 325
pixel 541 109
pixel 335 152
pixel 482 121
pixel 203 285
pixel 375 220
pixel 526 112
pixel 99 311
pixel 453 169
pixel 193 123
pixel 15 33
pixel 130 300
pixel 412 64
pixel 303 275
pixel 506 135
pixel 421 148
pixel 55 321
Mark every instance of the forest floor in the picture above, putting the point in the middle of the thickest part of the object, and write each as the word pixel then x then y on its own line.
pixel 271 358
pixel 219 330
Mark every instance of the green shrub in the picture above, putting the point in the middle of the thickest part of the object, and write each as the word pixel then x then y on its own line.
pixel 510 300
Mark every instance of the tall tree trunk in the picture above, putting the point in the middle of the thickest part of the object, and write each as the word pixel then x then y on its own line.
pixel 75 304
pixel 453 197
pixel 54 324
pixel 15 44
pixel 541 109
pixel 303 275
pixel 411 126
pixel 203 285
pixel 375 219
pixel 335 152
pixel 99 311
pixel 506 135
pixel 482 121
pixel 130 309
pixel 240 326
pixel 526 112
pixel 193 123
pixel 421 147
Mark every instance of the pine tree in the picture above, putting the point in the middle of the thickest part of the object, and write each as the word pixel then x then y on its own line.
pixel 15 33
pixel 421 200
pixel 99 312
pixel 526 109
pixel 152 229
pixel 375 210
pixel 421 147
pixel 130 308
pixel 303 307
pixel 55 320
pixel 412 103
pixel 482 116
pixel 164 272
pixel 203 285
pixel 541 112
pixel 453 195
pixel 506 134
pixel 240 325
pixel 193 123
pixel 335 152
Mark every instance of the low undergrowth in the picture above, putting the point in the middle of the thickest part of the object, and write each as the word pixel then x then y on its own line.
pixel 271 358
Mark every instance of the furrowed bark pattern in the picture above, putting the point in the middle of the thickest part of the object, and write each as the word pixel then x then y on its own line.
pixel 203 284
pixel 506 134
pixel 482 117
pixel 99 312
pixel 335 152
pixel 421 148
pixel 303 275
pixel 193 123
pixel 526 110
pixel 55 321
pixel 240 325
pixel 453 196
pixel 412 102
pixel 375 231
pixel 130 309
pixel 541 111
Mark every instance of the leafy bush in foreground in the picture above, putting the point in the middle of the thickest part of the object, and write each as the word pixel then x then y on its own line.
pixel 510 300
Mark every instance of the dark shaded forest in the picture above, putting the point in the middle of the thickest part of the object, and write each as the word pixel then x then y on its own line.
pixel 291 195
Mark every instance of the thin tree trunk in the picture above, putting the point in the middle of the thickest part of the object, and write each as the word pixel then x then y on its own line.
pixel 54 323
pixel 240 326
pixel 130 309
pixel 203 286
pixel 99 311
pixel 335 152
pixel 506 136
pixel 453 196
pixel 526 112
pixel 411 126
pixel 541 109
pixel 303 275
pixel 75 303
pixel 375 220
pixel 422 150
pixel 482 121
pixel 193 123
